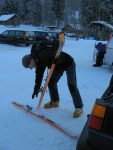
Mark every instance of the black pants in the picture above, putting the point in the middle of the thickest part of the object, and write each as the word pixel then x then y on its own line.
pixel 99 59
pixel 72 85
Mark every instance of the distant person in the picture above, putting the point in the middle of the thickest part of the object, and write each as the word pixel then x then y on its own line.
pixel 101 48
pixel 63 63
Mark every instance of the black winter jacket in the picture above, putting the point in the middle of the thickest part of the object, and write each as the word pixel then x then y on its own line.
pixel 62 63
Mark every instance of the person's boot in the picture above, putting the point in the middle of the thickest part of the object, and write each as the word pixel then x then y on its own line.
pixel 99 61
pixel 51 104
pixel 96 65
pixel 77 113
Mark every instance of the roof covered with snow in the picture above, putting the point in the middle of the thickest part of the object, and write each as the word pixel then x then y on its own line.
pixel 21 27
pixel 6 17
pixel 103 23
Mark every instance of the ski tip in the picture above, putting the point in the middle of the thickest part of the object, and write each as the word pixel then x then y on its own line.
pixel 13 102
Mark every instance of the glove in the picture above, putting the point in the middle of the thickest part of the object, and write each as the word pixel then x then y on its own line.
pixel 36 91
pixel 34 94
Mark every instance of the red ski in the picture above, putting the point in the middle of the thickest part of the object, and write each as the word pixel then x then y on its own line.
pixel 28 110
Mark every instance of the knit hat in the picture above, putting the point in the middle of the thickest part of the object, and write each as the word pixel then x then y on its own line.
pixel 26 60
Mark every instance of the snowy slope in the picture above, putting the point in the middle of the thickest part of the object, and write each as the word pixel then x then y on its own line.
pixel 20 131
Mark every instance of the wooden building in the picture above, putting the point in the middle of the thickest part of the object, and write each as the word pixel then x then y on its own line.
pixel 9 19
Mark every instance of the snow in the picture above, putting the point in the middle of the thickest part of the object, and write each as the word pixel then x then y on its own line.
pixel 103 23
pixel 6 17
pixel 20 131
pixel 20 27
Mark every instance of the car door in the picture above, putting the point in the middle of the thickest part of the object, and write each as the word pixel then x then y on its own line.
pixel 20 37
pixel 4 37
pixel 12 37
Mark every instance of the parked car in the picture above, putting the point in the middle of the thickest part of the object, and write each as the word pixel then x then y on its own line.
pixel 17 37
pixel 47 36
pixel 68 34
pixel 97 133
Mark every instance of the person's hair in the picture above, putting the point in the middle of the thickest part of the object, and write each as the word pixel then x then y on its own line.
pixel 26 60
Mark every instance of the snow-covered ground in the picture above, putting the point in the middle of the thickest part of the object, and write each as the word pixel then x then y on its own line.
pixel 18 130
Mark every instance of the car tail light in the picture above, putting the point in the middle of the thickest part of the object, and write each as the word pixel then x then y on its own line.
pixel 99 110
pixel 25 35
pixel 95 123
pixel 97 117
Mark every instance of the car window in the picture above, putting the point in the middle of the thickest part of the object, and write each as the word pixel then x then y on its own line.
pixel 43 34
pixel 37 33
pixel 31 34
pixel 20 33
pixel 5 33
pixel 11 33
pixel 50 34
pixel 53 35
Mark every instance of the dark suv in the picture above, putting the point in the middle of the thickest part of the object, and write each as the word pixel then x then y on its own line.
pixel 98 131
pixel 45 36
pixel 17 37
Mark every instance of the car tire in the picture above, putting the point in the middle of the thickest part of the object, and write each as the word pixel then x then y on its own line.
pixel 27 44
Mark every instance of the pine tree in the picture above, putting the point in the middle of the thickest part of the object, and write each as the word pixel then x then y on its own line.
pixel 25 14
pixel 96 10
pixel 31 12
pixel 37 12
pixel 9 7
pixel 58 9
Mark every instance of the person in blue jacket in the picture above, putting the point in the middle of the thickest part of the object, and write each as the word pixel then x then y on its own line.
pixel 101 48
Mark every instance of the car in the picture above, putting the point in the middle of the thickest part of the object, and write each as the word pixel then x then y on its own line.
pixel 46 36
pixel 97 133
pixel 17 37
pixel 70 34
